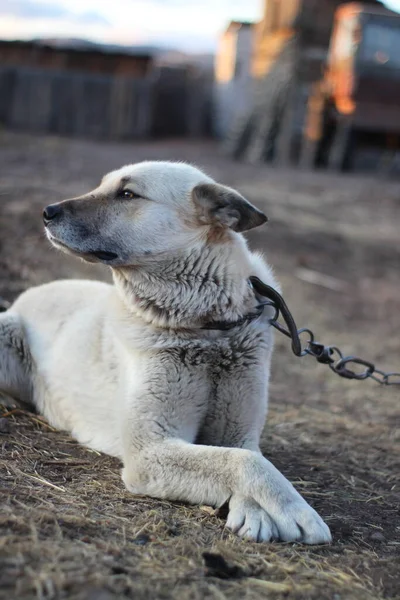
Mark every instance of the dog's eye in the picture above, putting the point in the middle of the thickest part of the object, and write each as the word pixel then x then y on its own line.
pixel 127 195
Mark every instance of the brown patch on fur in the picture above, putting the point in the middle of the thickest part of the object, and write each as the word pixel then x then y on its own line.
pixel 224 206
pixel 218 235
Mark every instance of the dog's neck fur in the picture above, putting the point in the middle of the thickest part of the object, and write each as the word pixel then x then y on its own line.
pixel 207 283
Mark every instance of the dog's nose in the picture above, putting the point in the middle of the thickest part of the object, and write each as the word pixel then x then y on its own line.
pixel 51 212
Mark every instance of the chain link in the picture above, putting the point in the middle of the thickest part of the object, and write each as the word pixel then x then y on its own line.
pixel 327 355
pixel 340 365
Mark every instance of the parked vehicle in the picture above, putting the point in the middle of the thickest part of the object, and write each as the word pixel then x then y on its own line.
pixel 359 94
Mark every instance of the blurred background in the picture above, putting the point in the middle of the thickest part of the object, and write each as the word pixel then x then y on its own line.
pixel 314 83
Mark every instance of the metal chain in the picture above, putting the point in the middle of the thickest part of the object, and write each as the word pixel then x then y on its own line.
pixel 326 355
pixel 339 364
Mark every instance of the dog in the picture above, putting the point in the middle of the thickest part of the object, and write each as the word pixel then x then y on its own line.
pixel 167 369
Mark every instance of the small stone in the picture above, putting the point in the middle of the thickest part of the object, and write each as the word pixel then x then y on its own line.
pixel 216 566
pixel 5 426
pixel 174 531
pixel 141 540
pixel 377 536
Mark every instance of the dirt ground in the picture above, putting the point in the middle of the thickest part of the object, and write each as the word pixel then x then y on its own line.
pixel 70 530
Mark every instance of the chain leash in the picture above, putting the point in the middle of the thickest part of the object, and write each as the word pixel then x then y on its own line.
pixel 326 355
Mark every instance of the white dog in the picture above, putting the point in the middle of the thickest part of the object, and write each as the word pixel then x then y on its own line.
pixel 167 369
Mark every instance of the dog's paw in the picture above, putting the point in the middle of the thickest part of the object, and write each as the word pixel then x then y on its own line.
pixel 303 518
pixel 250 521
pixel 296 521
pixel 292 521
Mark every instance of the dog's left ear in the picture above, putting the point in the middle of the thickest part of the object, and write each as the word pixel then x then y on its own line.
pixel 220 205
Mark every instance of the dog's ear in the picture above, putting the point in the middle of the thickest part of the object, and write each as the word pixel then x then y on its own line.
pixel 222 206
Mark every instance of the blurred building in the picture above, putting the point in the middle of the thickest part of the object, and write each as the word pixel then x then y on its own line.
pixel 232 91
pixel 77 55
pixel 76 87
pixel 289 50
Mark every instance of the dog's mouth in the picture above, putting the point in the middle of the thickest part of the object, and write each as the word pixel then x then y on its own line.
pixel 90 255
pixel 103 255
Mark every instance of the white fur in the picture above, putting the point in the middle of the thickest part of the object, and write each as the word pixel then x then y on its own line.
pixel 128 369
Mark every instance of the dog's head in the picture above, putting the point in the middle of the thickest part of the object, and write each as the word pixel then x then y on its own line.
pixel 144 210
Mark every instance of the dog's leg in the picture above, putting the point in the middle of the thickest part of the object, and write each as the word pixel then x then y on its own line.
pixel 237 422
pixel 15 360
pixel 241 405
pixel 159 462
pixel 240 401
pixel 177 470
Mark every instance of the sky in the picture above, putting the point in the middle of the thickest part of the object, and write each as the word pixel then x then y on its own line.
pixel 185 24
pixel 191 25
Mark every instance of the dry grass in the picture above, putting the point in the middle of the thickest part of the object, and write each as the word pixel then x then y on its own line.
pixel 70 530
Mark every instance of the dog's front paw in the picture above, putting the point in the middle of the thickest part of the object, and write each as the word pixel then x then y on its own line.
pixel 290 521
pixel 250 521
pixel 296 521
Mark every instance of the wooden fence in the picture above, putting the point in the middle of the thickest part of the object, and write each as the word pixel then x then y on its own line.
pixel 80 104
pixel 172 101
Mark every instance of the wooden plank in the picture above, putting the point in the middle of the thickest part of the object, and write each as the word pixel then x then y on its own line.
pixel 144 103
pixel 7 84
pixel 39 101
pixel 100 106
pixel 339 144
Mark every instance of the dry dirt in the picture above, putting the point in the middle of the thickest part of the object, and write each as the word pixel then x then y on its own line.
pixel 70 530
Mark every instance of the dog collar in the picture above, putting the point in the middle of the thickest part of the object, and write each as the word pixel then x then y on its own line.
pixel 228 325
